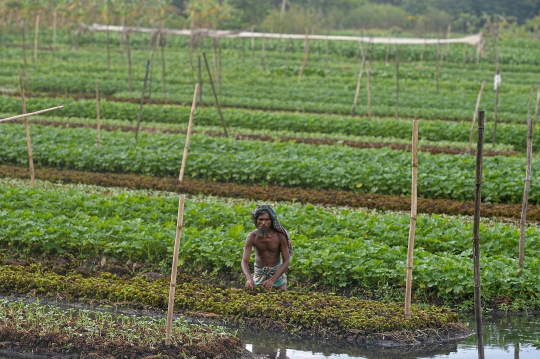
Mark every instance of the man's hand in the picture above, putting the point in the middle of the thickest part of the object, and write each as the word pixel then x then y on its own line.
pixel 268 284
pixel 250 284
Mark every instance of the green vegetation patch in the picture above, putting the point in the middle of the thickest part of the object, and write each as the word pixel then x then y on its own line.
pixel 307 313
pixel 52 330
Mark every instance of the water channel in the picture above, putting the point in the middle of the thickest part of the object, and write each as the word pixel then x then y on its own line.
pixel 505 337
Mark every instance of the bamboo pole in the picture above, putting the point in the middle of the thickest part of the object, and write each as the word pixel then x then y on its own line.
pixel 476 235
pixel 495 112
pixel 215 95
pixel 36 35
pixel 190 45
pixel 437 56
pixel 464 56
pixel 12 118
pixel 219 63
pixel 27 129
pixel 448 32
pixel 163 72
pixel 414 200
pixel 142 101
pixel 527 186
pixel 129 60
pixel 252 43
pixel 55 20
pixel 152 67
pixel 200 81
pixel 215 60
pixel 98 118
pixel 369 93
pixel 397 83
pixel 24 57
pixel 358 84
pixel 172 286
pixel 108 55
pixel 422 53
pixel 478 100
pixel 388 48
pixel 188 134
pixel 262 53
pixel 326 65
pixel 306 54
pixel 286 58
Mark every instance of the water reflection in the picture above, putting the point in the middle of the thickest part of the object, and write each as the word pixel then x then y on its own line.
pixel 505 337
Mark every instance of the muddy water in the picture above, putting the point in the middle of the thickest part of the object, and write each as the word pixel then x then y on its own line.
pixel 505 337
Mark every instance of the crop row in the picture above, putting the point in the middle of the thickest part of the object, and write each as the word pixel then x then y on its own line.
pixel 310 313
pixel 272 193
pixel 339 247
pixel 278 136
pixel 380 171
pixel 52 330
pixel 507 134
pixel 245 86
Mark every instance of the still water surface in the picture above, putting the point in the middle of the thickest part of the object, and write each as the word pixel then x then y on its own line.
pixel 505 337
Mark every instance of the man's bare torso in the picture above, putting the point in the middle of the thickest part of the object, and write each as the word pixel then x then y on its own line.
pixel 267 248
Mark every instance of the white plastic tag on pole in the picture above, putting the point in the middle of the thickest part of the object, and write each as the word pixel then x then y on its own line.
pixel 497 82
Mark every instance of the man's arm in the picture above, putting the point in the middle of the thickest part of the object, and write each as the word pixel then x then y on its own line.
pixel 286 258
pixel 245 261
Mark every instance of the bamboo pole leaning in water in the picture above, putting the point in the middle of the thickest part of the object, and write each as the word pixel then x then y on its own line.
pixel 478 100
pixel 142 101
pixel 172 286
pixel 12 118
pixel 476 235
pixel 215 95
pixel 527 186
pixel 188 133
pixel 27 129
pixel 412 228
pixel 98 118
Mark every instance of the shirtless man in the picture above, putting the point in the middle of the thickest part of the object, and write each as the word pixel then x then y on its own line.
pixel 271 241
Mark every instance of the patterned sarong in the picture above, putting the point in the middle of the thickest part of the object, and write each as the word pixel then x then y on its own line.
pixel 263 273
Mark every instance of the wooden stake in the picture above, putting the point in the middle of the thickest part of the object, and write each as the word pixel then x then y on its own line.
pixel 306 55
pixel 388 48
pixel 163 70
pixel 24 57
pixel 358 84
pixel 495 113
pixel 215 60
pixel 142 101
pixel 97 118
pixel 478 100
pixel 476 235
pixel 200 82
pixel 188 134
pixel 12 118
pixel 26 127
pixel 262 53
pixel 286 58
pixel 108 55
pixel 326 68
pixel 252 44
pixel 448 43
pixel 55 20
pixel 464 56
pixel 437 56
pixel 36 35
pixel 215 95
pixel 422 53
pixel 369 93
pixel 410 249
pixel 129 61
pixel 397 83
pixel 530 133
pixel 152 67
pixel 172 286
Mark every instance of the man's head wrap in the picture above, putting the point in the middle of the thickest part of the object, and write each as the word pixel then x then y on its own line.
pixel 266 208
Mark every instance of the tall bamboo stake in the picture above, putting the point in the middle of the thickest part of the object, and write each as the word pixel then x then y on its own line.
pixel 448 43
pixel 219 63
pixel 36 35
pixel 478 100
pixel 358 84
pixel 215 60
pixel 326 65
pixel 191 45
pixel 306 55
pixel 464 56
pixel 215 95
pixel 172 286
pixel 12 118
pixel 252 43
pixel 108 55
pixel 97 118
pixel 188 134
pixel 388 48
pixel 495 112
pixel 369 93
pixel 286 58
pixel 437 56
pixel 27 129
pixel 200 81
pixel 422 53
pixel 142 101
pixel 129 61
pixel 24 57
pixel 530 133
pixel 476 235
pixel 262 53
pixel 397 83
pixel 152 67
pixel 163 73
pixel 410 249
pixel 55 20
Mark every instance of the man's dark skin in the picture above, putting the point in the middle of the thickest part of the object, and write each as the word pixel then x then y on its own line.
pixel 268 249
